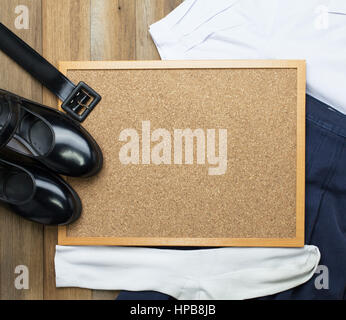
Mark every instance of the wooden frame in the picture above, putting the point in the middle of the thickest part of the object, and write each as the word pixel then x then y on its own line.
pixel 298 241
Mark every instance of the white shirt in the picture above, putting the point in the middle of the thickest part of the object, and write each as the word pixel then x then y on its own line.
pixel 314 30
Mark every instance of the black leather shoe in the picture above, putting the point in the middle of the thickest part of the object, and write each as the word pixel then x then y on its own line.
pixel 48 136
pixel 37 194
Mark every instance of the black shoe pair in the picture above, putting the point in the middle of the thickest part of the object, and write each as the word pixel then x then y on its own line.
pixel 37 144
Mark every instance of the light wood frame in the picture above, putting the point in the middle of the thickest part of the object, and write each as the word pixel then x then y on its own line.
pixel 298 241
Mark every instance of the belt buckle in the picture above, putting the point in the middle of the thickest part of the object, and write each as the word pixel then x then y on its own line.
pixel 81 102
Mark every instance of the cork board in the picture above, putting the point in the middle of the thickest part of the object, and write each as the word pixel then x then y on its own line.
pixel 197 153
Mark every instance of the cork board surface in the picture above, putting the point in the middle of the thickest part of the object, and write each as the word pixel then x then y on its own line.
pixel 249 116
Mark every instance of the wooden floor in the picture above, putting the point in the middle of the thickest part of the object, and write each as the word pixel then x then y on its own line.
pixel 65 30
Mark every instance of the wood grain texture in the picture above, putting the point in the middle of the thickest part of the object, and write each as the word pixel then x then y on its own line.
pixel 301 142
pixel 148 12
pixel 113 37
pixel 113 29
pixel 66 35
pixel 21 241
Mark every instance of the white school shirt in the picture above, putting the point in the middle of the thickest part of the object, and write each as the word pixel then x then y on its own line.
pixel 226 29
pixel 314 30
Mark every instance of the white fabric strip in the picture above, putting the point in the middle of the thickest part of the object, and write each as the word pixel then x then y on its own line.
pixel 224 273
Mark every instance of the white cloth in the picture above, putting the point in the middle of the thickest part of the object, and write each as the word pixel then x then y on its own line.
pixel 223 273
pixel 227 29
pixel 314 30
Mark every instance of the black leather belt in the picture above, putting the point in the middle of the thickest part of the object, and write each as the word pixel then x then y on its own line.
pixel 78 101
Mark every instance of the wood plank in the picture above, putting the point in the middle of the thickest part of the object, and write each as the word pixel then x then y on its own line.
pixel 113 30
pixel 104 295
pixel 148 12
pixel 21 241
pixel 119 31
pixel 113 37
pixel 66 36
